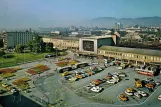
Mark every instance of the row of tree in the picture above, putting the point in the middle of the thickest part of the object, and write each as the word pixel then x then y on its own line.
pixel 36 46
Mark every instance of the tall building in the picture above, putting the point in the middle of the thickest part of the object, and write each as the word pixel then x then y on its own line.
pixel 14 38
pixel 118 26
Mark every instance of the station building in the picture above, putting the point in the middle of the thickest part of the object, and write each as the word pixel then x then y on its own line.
pixel 90 45
pixel 139 56
pixel 106 47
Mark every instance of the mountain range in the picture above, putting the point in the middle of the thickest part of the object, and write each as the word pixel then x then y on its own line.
pixel 110 21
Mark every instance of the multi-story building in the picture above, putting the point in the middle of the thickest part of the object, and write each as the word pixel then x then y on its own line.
pixel 64 42
pixel 118 26
pixel 106 46
pixel 141 56
pixel 89 45
pixel 14 38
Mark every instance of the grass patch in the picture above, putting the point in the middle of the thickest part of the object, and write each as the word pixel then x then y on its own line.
pixel 18 58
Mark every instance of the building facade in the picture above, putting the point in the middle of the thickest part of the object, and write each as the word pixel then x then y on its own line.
pixel 91 44
pixel 131 54
pixel 118 26
pixel 14 38
pixel 64 42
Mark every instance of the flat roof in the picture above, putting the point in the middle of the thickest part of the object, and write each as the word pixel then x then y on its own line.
pixel 97 37
pixel 64 38
pixel 132 50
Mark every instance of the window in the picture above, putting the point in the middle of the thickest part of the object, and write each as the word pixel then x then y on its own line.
pixel 154 58
pixel 88 45
pixel 151 58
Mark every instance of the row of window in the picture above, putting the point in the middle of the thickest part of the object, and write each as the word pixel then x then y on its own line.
pixel 129 55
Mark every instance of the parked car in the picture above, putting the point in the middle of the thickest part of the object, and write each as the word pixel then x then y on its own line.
pixel 149 86
pixel 73 79
pixel 4 85
pixel 119 67
pixel 91 84
pixel 112 81
pixel 157 83
pixel 97 82
pixel 129 93
pixel 142 93
pixel 49 55
pixel 130 90
pixel 109 76
pixel 79 76
pixel 9 88
pixel 65 73
pixel 137 95
pixel 96 89
pixel 159 97
pixel 123 97
pixel 13 90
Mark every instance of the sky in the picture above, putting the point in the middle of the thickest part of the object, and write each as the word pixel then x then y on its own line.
pixel 39 13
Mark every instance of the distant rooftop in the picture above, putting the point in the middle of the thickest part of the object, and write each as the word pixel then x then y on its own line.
pixel 64 38
pixel 98 37
pixel 132 50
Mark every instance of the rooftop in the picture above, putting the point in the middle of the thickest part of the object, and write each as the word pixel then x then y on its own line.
pixel 132 50
pixel 97 37
pixel 64 38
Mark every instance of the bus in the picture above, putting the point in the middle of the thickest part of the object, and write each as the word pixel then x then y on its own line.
pixel 80 65
pixel 63 69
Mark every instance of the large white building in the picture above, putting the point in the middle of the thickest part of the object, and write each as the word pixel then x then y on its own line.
pixel 90 45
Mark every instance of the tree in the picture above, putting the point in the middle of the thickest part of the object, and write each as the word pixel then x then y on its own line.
pixel 30 45
pixel 19 48
pixel 2 53
pixel 49 47
pixel 1 43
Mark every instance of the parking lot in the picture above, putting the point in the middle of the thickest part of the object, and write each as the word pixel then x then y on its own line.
pixel 112 91
pixel 51 87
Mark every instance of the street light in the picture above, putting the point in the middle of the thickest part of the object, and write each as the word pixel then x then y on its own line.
pixel 24 55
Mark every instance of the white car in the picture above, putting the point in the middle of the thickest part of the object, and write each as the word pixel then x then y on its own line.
pixel 137 95
pixel 157 83
pixel 119 68
pixel 143 93
pixel 112 81
pixel 159 97
pixel 115 73
pixel 129 93
pixel 116 78
pixel 72 79
pixel 122 75
pixel 91 84
pixel 13 90
pixel 96 89
pixel 95 63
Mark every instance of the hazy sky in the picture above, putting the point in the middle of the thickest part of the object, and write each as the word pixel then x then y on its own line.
pixel 39 13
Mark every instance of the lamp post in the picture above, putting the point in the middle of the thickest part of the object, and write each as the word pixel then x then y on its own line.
pixel 24 55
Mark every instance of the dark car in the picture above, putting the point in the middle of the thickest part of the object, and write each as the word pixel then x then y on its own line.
pixel 49 55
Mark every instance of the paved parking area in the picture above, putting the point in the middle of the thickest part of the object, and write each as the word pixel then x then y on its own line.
pixel 51 89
